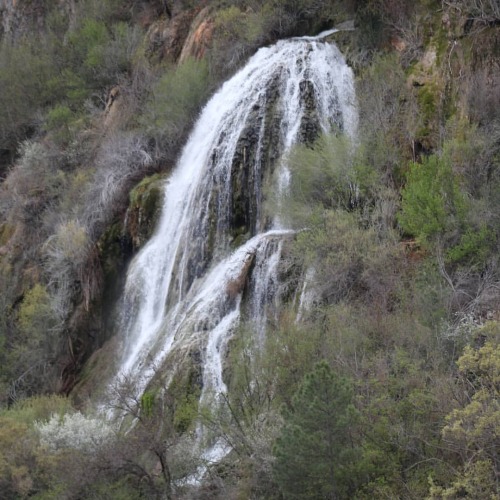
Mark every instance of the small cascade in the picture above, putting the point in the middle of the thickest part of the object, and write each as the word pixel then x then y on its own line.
pixel 214 248
pixel 264 285
pixel 307 295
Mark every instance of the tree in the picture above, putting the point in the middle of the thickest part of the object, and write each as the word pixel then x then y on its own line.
pixel 157 450
pixel 316 450
pixel 473 429
pixel 25 468
pixel 32 353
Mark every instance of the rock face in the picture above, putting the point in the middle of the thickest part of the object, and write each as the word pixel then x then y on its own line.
pixel 200 36
pixel 186 34
pixel 166 37
pixel 18 17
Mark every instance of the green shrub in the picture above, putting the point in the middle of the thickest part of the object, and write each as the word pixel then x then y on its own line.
pixel 71 85
pixel 349 261
pixel 31 355
pixel 25 70
pixel 59 120
pixel 36 72
pixel 35 313
pixel 175 99
pixel 59 116
pixel 474 246
pixel 432 204
pixel 330 174
pixel 87 43
pixel 38 408
pixel 186 412
pixel 148 403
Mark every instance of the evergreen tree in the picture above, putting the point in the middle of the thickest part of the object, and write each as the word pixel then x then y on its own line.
pixel 315 452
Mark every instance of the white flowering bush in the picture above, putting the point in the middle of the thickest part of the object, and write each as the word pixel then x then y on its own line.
pixel 75 430
pixel 463 329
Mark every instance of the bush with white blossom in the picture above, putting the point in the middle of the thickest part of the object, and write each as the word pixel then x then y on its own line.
pixel 75 430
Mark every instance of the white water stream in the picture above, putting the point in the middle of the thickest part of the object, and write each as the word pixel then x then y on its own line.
pixel 184 290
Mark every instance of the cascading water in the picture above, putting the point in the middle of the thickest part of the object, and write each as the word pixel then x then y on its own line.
pixel 214 244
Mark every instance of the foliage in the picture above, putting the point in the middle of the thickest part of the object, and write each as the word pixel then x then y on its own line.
pixel 15 477
pixel 38 408
pixel 331 174
pixel 60 117
pixel 74 430
pixel 25 71
pixel 432 204
pixel 242 27
pixel 175 99
pixel 389 117
pixel 186 413
pixel 49 450
pixel 292 15
pixel 315 452
pixel 346 258
pixel 238 32
pixel 66 256
pixel 232 23
pixel 87 43
pixel 151 439
pixel 99 54
pixel 474 245
pixel 35 349
pixel 472 153
pixel 35 313
pixel 38 71
pixel 23 469
pixel 147 403
pixel 145 203
pixel 473 429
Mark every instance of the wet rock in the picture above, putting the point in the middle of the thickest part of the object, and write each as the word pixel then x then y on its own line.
pixel 256 152
pixel 309 128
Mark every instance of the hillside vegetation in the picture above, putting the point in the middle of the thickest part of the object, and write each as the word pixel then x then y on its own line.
pixel 388 386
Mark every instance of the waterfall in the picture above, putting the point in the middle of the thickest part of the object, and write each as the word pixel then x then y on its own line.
pixel 214 246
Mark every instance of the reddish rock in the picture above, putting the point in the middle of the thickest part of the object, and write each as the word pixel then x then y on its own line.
pixel 398 43
pixel 166 37
pixel 200 36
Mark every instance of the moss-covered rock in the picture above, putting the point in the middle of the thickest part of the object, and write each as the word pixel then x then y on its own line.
pixel 184 389
pixel 144 209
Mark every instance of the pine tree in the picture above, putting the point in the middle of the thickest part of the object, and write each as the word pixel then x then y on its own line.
pixel 315 452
